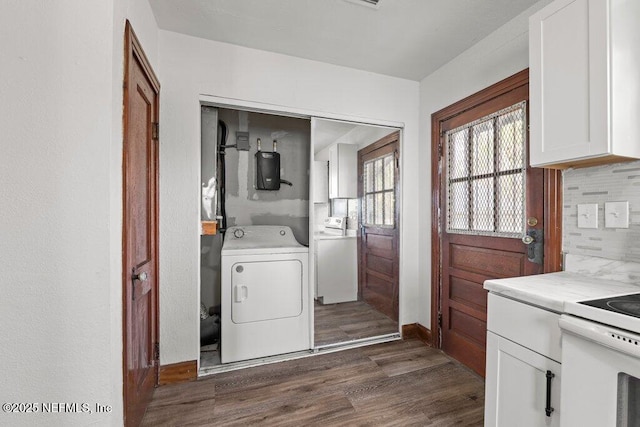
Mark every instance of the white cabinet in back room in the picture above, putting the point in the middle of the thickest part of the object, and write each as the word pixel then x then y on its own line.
pixel 343 171
pixel 337 270
pixel 320 182
pixel 584 82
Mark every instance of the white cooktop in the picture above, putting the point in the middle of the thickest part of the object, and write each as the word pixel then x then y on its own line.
pixel 622 321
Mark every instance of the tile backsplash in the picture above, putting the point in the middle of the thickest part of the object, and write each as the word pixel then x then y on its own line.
pixel 600 184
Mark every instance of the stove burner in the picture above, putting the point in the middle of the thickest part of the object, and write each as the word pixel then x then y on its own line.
pixel 626 304
pixel 632 308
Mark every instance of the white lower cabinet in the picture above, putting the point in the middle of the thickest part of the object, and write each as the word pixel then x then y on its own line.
pixel 518 391
pixel 516 385
pixel 337 270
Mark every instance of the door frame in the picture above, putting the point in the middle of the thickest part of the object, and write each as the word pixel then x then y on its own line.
pixel 552 194
pixel 133 51
pixel 313 116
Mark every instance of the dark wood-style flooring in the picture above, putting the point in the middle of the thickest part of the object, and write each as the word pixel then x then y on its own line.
pixel 348 321
pixel 401 383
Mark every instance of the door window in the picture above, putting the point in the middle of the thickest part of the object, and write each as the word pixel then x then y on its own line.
pixel 379 195
pixel 486 172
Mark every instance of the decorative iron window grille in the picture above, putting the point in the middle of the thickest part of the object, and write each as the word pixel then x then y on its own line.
pixel 379 191
pixel 486 174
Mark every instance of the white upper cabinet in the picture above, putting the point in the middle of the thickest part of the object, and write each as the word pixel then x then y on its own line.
pixel 343 171
pixel 584 59
pixel 320 182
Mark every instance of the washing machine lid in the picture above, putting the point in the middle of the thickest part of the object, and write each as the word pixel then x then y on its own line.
pixel 261 239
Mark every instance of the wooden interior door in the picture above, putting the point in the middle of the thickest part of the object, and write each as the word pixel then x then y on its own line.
pixel 378 173
pixel 485 215
pixel 140 232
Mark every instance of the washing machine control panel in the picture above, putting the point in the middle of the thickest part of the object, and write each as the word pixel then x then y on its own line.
pixel 238 233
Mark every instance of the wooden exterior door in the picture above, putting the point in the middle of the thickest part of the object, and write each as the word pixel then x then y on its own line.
pixel 489 201
pixel 378 186
pixel 140 231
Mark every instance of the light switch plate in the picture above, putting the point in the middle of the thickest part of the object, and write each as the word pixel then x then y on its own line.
pixel 616 215
pixel 588 215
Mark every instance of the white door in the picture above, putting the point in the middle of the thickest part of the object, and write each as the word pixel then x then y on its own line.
pixel 516 386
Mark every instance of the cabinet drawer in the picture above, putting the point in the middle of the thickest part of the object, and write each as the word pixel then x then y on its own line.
pixel 529 326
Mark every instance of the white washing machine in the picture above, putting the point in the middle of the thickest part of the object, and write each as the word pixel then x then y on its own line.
pixel 265 293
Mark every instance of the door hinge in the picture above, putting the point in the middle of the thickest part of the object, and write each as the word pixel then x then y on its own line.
pixel 395 155
pixel 155 130
pixel 156 351
pixel 440 320
pixel 440 149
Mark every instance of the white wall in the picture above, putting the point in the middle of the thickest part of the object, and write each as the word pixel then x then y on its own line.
pixel 60 192
pixel 56 128
pixel 499 55
pixel 192 67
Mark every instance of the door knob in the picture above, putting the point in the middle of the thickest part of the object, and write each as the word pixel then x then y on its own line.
pixel 141 277
pixel 527 240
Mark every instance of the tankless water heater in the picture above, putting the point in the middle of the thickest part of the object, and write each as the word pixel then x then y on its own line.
pixel 267 170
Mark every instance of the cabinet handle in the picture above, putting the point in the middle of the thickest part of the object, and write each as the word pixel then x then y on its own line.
pixel 548 410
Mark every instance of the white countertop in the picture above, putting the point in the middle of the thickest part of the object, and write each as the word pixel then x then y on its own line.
pixel 320 235
pixel 551 290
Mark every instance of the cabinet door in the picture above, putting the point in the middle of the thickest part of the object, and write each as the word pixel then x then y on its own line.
pixel 516 386
pixel 347 171
pixel 568 82
pixel 320 182
pixel 337 270
pixel 343 171
pixel 333 172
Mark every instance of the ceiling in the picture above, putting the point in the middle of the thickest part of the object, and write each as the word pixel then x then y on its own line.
pixel 327 132
pixel 403 38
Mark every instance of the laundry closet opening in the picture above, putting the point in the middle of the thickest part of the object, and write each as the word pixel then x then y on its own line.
pixel 281 245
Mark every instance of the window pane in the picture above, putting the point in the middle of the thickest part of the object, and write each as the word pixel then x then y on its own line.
pixel 511 140
pixel 379 198
pixel 482 198
pixel 510 203
pixel 377 171
pixel 389 208
pixel 482 150
pixel 389 172
pixel 459 206
pixel 482 204
pixel 369 209
pixel 368 177
pixel 458 154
